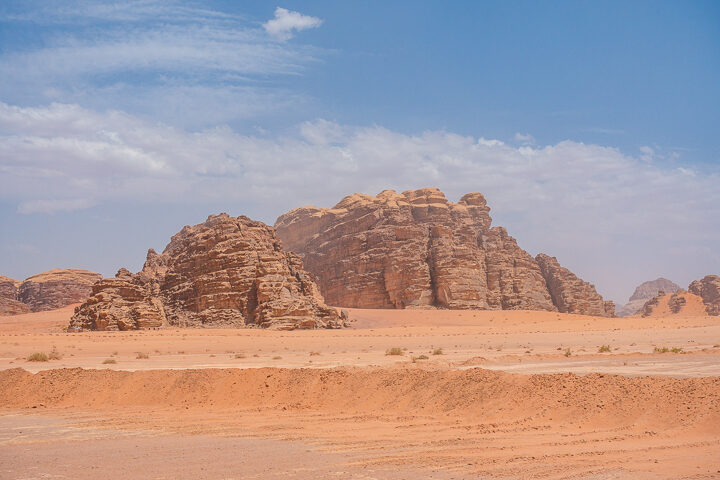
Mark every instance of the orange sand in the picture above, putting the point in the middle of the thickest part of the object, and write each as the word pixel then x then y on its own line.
pixel 338 393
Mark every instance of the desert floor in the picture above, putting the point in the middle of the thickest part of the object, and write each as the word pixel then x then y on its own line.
pixel 512 395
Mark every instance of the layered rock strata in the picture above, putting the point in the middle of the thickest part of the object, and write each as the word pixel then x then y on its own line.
pixel 571 294
pixel 56 288
pixel 644 292
pixel 415 249
pixel 708 288
pixel 224 272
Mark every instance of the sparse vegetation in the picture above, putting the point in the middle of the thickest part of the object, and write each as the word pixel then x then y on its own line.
pixel 394 351
pixel 54 354
pixel 568 352
pixel 676 350
pixel 438 351
pixel 109 361
pixel 277 357
pixel 38 357
pixel 239 355
pixel 604 349
pixel 661 350
pixel 314 354
pixel 422 357
pixel 142 356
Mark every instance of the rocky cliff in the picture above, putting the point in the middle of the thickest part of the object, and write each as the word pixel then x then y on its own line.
pixel 224 272
pixel 8 287
pixel 56 288
pixel 708 288
pixel 417 249
pixel 644 292
pixel 571 294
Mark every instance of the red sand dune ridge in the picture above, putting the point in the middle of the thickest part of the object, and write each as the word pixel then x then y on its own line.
pixel 609 399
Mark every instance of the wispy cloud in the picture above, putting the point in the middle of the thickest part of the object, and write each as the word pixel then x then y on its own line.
pixel 177 63
pixel 287 22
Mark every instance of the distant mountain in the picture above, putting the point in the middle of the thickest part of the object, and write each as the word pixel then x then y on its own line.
pixel 644 292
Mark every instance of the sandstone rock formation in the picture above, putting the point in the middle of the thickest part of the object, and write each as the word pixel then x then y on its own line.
pixel 681 302
pixel 644 292
pixel 708 289
pixel 414 249
pixel 8 306
pixel 571 294
pixel 224 272
pixel 8 287
pixel 56 288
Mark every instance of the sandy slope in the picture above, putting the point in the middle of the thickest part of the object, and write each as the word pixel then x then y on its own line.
pixel 366 414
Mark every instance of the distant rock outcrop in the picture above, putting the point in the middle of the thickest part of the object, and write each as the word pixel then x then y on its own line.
pixel 224 272
pixel 45 291
pixel 8 306
pixel 708 288
pixel 681 302
pixel 57 288
pixel 8 287
pixel 570 293
pixel 644 292
pixel 415 249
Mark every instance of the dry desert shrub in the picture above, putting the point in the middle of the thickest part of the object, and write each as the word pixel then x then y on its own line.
pixel 438 351
pixel 142 356
pixel 568 352
pixel 394 351
pixel 239 355
pixel 604 348
pixel 277 357
pixel 109 361
pixel 38 357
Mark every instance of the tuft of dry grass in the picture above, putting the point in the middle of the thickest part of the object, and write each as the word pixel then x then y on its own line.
pixel 239 355
pixel 38 357
pixel 277 357
pixel 438 351
pixel 604 349
pixel 568 352
pixel 142 356
pixel 109 361
pixel 394 351
pixel 314 354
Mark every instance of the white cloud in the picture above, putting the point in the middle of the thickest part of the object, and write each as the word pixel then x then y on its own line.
pixel 605 214
pixel 287 22
pixel 525 138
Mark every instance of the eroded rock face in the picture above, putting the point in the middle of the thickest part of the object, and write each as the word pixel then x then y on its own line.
pixel 414 249
pixel 708 289
pixel 8 287
pixel 8 306
pixel 645 292
pixel 56 288
pixel 224 272
pixel 571 294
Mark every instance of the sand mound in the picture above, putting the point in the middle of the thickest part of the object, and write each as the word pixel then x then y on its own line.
pixel 609 400
pixel 680 303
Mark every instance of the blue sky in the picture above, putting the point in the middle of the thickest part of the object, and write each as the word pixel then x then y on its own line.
pixel 592 127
